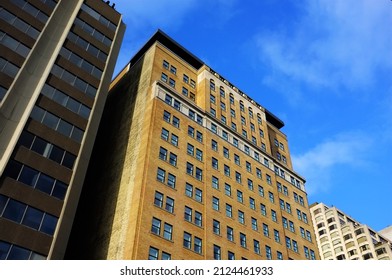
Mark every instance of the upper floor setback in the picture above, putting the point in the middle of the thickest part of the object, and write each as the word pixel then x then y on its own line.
pixel 200 67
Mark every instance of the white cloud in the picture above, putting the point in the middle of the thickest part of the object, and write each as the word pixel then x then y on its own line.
pixel 318 164
pixel 336 45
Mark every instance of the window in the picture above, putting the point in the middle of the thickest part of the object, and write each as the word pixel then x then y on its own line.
pixel 254 224
pixel 226 152
pixel 158 200
pixel 169 207
pixel 240 197
pixel 153 253
pixel 226 170
pixel 216 227
pixel 198 195
pixel 161 174
pixel 174 140
pixel 237 159
pixel 165 64
pixel 197 245
pixel 199 174
pixel 279 255
pixel 185 78
pixel 276 236
pixel 188 190
pixel 248 167
pixel 223 106
pixel 215 182
pixel 164 77
pixel 263 209
pixel 156 226
pixel 241 217
pixel 288 207
pixel 288 243
pixel 215 203
pixel 308 236
pixel 244 133
pixel 265 230
pixel 268 252
pixel 222 92
pixel 190 149
pixel 232 113
pixel 199 136
pixel 291 226
pixel 235 142
pixel 273 216
pixel 252 203
pixel 229 210
pixel 214 163
pixel 171 180
pixel 271 197
pixel 187 240
pixel 227 189
pixel 305 218
pixel 231 99
pixel 295 246
pixel 173 159
pixel 173 70
pixel 212 85
pixel 250 184
pixel 256 246
pixel 212 99
pixel 199 154
pixel 243 240
pixel 172 83
pixel 261 191
pixel 285 222
pixel 233 126
pixel 189 168
pixel 191 131
pixel 230 255
pixel 165 134
pixel 167 231
pixel 214 145
pixel 268 178
pixel 230 233
pixel 217 252
pixel 238 177
pixel 193 83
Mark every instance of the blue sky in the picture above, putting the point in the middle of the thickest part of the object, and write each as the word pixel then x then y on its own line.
pixel 323 66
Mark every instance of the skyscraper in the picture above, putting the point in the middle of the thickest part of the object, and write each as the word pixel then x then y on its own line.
pixel 340 237
pixel 187 166
pixel 56 62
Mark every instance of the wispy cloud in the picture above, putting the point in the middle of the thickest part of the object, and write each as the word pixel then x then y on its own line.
pixel 319 163
pixel 335 45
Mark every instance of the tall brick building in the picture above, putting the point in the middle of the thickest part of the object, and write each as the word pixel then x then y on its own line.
pixel 187 166
pixel 56 62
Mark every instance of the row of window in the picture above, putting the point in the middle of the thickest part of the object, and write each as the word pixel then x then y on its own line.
pixel 36 179
pixel 29 8
pixel 217 252
pixel 173 70
pixel 81 62
pixel 66 101
pixel 13 252
pixel 57 124
pixel 93 32
pixel 73 80
pixel 8 68
pixel 96 15
pixel 14 44
pixel 46 149
pixel 20 24
pixel 26 215
pixel 87 46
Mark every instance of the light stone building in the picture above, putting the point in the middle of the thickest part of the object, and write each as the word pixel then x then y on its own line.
pixel 340 237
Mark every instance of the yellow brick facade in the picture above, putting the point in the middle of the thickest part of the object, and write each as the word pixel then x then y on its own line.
pixel 197 166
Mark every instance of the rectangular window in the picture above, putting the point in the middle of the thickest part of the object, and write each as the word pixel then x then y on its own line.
pixel 243 240
pixel 215 182
pixel 229 211
pixel 252 203
pixel 256 246
pixel 215 203
pixel 164 77
pixel 240 197
pixel 216 227
pixel 185 78
pixel 230 234
pixel 265 230
pixel 241 217
pixel 227 189
pixel 276 236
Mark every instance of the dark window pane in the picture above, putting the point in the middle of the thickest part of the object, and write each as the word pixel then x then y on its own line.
pixel 77 134
pixel 14 210
pixel 12 170
pixel 37 114
pixel 50 120
pixel 69 160
pixel 3 201
pixel 25 139
pixel 73 105
pixel 40 146
pixel 28 176
pixel 48 224
pixel 56 154
pixel 4 248
pixel 59 190
pixel 64 128
pixel 45 183
pixel 18 253
pixel 84 111
pixel 32 218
